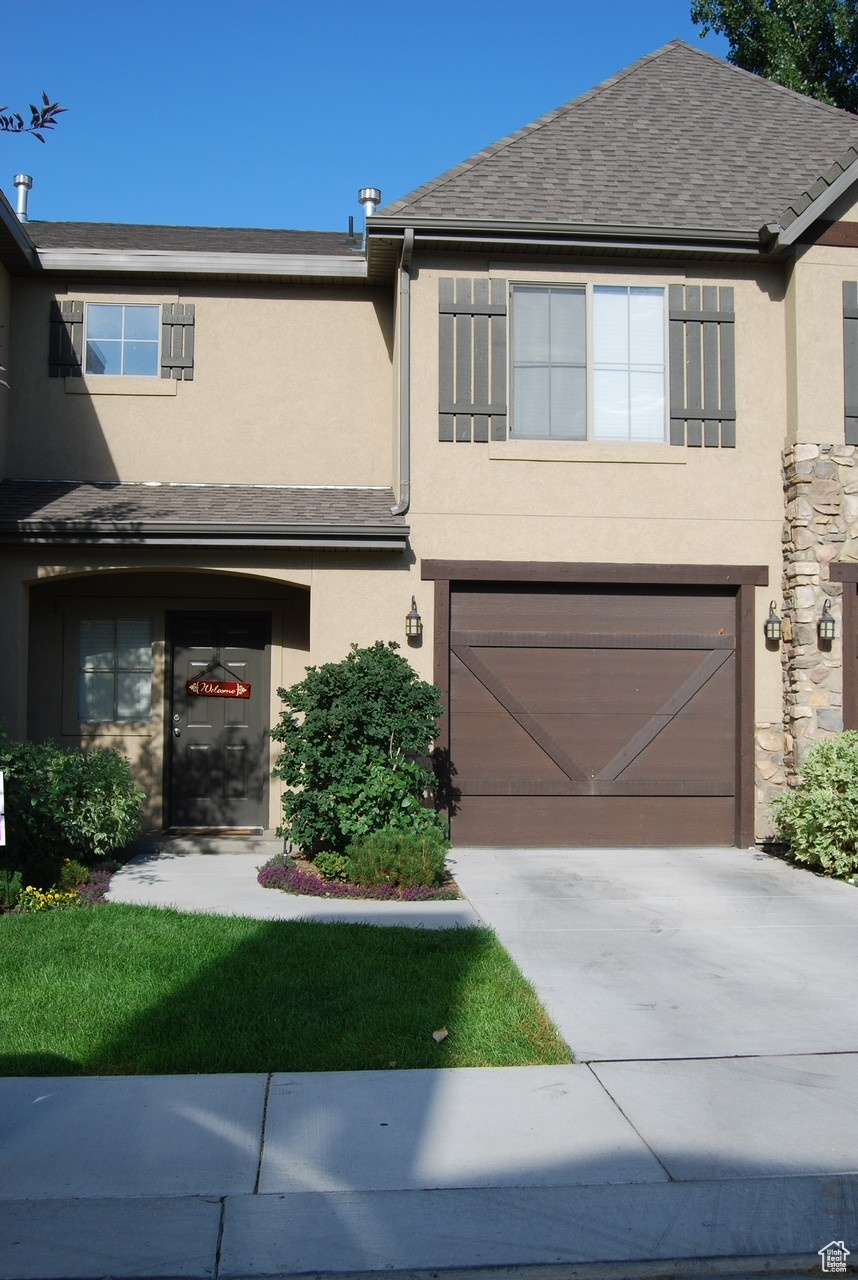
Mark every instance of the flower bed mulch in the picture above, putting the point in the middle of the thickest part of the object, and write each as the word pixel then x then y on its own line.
pixel 297 875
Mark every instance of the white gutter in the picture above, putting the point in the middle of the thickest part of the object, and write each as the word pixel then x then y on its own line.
pixel 405 374
pixel 171 262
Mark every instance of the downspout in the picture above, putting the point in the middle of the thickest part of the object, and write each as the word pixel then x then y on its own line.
pixel 405 374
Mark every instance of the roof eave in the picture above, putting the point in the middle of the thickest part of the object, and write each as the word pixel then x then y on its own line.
pixel 715 240
pixel 17 250
pixel 299 538
pixel 378 537
pixel 169 262
pixel 787 236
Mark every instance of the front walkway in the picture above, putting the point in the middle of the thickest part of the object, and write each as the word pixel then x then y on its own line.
pixel 218 875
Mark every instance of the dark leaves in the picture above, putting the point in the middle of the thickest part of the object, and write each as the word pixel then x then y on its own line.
pixel 41 118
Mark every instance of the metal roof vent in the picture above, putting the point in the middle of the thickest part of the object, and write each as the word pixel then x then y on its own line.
pixel 23 182
pixel 370 198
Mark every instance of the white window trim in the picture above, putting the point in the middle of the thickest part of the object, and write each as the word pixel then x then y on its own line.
pixel 565 442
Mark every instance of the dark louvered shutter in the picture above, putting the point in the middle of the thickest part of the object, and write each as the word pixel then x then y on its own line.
pixel 850 359
pixel 66 341
pixel 702 366
pixel 472 357
pixel 177 340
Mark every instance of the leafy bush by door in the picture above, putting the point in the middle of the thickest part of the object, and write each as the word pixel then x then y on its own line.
pixel 351 733
pixel 62 801
pixel 819 818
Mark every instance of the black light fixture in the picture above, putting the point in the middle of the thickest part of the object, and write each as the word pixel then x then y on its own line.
pixel 772 627
pixel 825 626
pixel 413 622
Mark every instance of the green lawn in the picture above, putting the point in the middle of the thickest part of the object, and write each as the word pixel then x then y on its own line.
pixel 135 990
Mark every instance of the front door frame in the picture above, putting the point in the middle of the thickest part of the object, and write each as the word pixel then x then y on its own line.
pixel 744 578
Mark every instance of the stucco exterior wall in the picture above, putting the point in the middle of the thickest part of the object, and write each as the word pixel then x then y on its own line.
pixel 5 357
pixel 291 386
pixel 580 502
pixel 814 318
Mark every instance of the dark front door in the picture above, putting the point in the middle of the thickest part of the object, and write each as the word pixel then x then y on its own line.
pixel 219 745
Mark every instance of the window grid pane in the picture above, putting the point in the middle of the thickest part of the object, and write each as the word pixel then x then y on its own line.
pixel 115 669
pixel 122 340
pixel 629 366
pixel 549 363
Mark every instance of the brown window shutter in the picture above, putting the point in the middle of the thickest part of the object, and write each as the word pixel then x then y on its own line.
pixel 66 340
pixel 472 360
pixel 850 359
pixel 702 366
pixel 177 340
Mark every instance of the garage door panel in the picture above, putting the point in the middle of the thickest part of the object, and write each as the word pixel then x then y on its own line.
pixel 590 821
pixel 623 612
pixel 579 711
pixel 576 680
pixel 495 737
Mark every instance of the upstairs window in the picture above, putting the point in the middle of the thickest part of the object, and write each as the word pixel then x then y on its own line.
pixel 115 670
pixel 588 363
pixel 122 340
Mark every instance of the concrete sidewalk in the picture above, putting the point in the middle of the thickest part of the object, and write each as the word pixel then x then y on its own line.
pixel 649 1157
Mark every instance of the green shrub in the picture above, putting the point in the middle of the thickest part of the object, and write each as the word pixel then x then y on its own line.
pixel 10 887
pixel 73 873
pixel 332 866
pixel 64 802
pixel 401 858
pixel 350 732
pixel 818 819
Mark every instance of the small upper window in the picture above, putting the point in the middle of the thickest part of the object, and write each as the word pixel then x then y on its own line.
pixel 588 362
pixel 122 340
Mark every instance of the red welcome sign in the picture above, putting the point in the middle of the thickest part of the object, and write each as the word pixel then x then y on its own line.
pixel 218 689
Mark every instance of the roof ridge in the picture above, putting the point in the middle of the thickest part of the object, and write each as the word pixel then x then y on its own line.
pixel 771 84
pixel 437 183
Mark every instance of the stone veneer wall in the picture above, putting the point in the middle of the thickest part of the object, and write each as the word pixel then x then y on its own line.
pixel 821 525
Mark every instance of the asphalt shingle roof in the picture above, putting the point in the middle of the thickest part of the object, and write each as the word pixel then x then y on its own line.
pixel 134 237
pixel 679 139
pixel 218 510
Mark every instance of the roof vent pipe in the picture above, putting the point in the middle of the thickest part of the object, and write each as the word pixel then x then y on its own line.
pixel 370 198
pixel 23 182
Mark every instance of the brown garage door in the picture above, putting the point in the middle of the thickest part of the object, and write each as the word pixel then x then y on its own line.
pixel 586 715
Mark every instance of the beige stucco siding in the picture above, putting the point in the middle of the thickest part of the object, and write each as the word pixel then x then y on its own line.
pixel 558 501
pixel 814 316
pixel 290 386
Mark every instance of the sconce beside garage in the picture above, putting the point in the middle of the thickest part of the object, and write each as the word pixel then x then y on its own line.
pixel 772 627
pixel 825 627
pixel 413 623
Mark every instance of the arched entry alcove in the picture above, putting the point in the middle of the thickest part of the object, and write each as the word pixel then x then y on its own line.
pixel 178 670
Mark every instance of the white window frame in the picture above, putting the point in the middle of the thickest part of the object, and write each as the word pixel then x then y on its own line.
pixel 125 307
pixel 588 288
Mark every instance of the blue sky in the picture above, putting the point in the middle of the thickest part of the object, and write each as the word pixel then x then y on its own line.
pixel 273 114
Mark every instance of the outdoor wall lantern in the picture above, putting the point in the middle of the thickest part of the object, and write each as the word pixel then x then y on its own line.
pixel 413 622
pixel 772 627
pixel 825 626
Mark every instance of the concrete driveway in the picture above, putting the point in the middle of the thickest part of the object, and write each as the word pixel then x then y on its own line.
pixel 682 953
